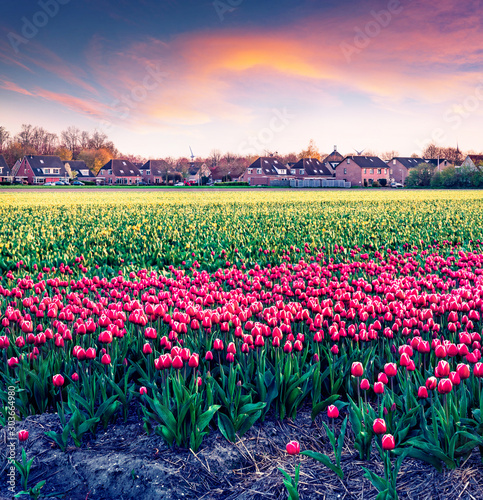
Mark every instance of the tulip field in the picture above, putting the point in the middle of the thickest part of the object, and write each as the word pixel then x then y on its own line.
pixel 209 312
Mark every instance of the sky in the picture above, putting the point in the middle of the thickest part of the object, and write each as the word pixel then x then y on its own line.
pixel 246 76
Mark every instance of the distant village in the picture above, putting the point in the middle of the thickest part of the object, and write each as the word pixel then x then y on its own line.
pixel 92 166
pixel 334 170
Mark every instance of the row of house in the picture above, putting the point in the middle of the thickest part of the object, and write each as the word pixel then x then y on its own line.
pixel 358 170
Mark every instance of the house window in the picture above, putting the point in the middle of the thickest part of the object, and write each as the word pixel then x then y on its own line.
pixel 371 171
pixel 42 161
pixel 379 171
pixel 345 171
pixel 301 172
pixel 46 170
pixel 56 170
pixel 394 162
pixel 365 170
pixel 259 171
pixel 249 171
pixel 109 172
pixel 385 170
pixel 148 172
pixel 391 170
pixel 292 171
pixel 348 161
pixel 124 163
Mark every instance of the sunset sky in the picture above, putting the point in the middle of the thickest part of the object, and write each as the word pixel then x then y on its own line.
pixel 246 76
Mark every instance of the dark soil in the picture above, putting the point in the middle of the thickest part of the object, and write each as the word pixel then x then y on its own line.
pixel 123 463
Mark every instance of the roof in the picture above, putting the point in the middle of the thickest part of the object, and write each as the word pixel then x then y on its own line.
pixel 408 162
pixel 121 168
pixel 194 167
pixel 476 159
pixel 39 162
pixel 367 161
pixel 4 168
pixel 159 168
pixel 268 164
pixel 312 166
pixel 435 161
pixel 79 166
pixel 334 157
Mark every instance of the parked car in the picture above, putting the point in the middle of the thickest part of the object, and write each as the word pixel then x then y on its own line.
pixel 49 184
pixel 396 185
pixel 142 183
pixel 59 183
pixel 179 184
pixel 78 183
pixel 22 182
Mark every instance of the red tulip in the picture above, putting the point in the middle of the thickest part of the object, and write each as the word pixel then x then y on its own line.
pixel 332 411
pixel 390 369
pixel 209 356
pixel 365 384
pixel 143 390
pixel 23 435
pixel 147 349
pixel 90 353
pixel 12 362
pixel 379 426
pixel 445 386
pixel 388 442
pixel 58 380
pixel 106 359
pixel 455 378
pixel 431 383
pixel 75 377
pixel 422 392
pixel 463 371
pixel 194 361
pixel 293 448
pixel 177 362
pixel 218 345
pixel 357 370
pixel 379 388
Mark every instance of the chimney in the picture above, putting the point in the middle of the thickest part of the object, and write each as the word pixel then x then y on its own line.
pixel 335 148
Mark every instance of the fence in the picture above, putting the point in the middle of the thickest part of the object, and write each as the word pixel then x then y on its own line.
pixel 315 183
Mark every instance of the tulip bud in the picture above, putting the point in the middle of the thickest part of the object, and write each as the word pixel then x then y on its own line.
pixel 106 359
pixel 422 392
pixel 177 362
pixel 293 448
pixel 390 369
pixel 332 411
pixel 143 390
pixel 357 370
pixel 365 384
pixel 379 426
pixel 388 442
pixel 379 388
pixel 23 435
pixel 75 377
pixel 58 380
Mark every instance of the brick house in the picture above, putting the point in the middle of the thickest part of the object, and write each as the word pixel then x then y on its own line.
pixel 36 169
pixel 5 173
pixel 363 171
pixel 399 167
pixel 263 170
pixel 332 160
pixel 121 172
pixel 80 171
pixel 198 170
pixel 310 168
pixel 159 172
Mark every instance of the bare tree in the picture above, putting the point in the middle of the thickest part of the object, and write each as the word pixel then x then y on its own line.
pixel 389 155
pixel 98 140
pixel 215 157
pixel 71 139
pixel 25 135
pixel 84 139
